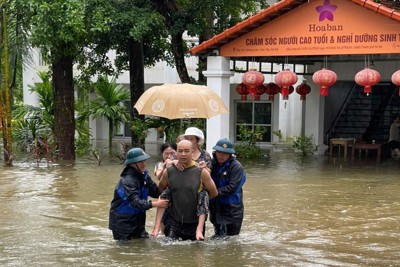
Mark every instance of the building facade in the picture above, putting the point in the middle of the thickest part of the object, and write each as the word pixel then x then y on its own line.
pixel 288 35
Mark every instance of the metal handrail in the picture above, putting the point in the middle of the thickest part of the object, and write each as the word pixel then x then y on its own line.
pixel 339 114
pixel 392 96
pixel 390 104
pixel 377 116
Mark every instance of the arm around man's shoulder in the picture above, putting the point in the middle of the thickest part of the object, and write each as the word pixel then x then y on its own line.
pixel 208 183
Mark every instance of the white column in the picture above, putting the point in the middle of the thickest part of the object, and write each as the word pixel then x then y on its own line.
pixel 29 78
pixel 275 118
pixel 290 115
pixel 314 117
pixel 218 75
pixel 98 127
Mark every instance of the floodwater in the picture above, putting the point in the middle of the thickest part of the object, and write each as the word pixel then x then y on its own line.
pixel 312 212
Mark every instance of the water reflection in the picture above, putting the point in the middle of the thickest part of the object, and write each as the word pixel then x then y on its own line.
pixel 312 212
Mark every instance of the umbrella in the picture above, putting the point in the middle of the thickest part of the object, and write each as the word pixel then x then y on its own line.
pixel 180 101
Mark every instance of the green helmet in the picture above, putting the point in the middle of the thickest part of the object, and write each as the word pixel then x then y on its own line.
pixel 135 155
pixel 224 146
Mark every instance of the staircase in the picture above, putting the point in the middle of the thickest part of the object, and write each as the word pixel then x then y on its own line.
pixel 367 118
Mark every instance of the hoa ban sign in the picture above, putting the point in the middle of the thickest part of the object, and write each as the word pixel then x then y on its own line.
pixel 321 27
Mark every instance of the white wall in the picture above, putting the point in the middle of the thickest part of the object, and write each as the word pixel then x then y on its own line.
pixel 159 74
pixel 346 71
pixel 287 114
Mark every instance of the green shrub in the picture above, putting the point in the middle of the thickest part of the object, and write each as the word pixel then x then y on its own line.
pixel 249 137
pixel 305 144
pixel 247 151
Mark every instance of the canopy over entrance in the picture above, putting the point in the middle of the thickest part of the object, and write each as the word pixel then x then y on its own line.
pixel 310 31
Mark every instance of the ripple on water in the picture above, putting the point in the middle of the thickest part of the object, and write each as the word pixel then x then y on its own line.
pixel 311 212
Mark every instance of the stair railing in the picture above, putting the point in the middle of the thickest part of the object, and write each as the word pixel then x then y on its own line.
pixel 376 118
pixel 331 128
pixel 393 105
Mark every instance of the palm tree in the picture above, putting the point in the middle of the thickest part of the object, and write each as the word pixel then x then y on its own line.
pixel 5 109
pixel 12 47
pixel 109 104
pixel 31 122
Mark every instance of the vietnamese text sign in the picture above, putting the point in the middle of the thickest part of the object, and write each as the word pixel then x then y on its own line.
pixel 321 27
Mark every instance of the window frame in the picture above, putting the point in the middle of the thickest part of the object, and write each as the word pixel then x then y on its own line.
pixel 253 117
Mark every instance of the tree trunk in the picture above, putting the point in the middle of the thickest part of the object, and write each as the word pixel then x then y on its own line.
pixel 136 79
pixel 179 56
pixel 6 120
pixel 3 127
pixel 166 8
pixel 64 120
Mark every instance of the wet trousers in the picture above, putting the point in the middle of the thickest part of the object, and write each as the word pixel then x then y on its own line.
pixel 227 229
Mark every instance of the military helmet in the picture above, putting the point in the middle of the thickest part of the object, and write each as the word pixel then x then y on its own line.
pixel 135 155
pixel 224 146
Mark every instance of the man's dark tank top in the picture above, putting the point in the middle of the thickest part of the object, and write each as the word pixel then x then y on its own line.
pixel 184 186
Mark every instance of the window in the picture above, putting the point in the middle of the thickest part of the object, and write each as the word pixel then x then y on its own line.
pixel 41 61
pixel 125 129
pixel 254 114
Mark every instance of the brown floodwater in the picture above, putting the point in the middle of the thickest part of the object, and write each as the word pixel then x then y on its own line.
pixel 311 212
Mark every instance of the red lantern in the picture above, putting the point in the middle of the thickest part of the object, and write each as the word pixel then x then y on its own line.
pixel 242 90
pixel 284 79
pixel 290 90
pixel 367 78
pixel 324 78
pixel 253 78
pixel 396 79
pixel 271 89
pixel 303 89
pixel 257 92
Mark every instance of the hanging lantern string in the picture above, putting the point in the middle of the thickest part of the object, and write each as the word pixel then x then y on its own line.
pixel 371 64
pixel 369 61
pixel 365 61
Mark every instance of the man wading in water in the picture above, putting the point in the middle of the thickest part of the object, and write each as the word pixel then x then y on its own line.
pixel 182 220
